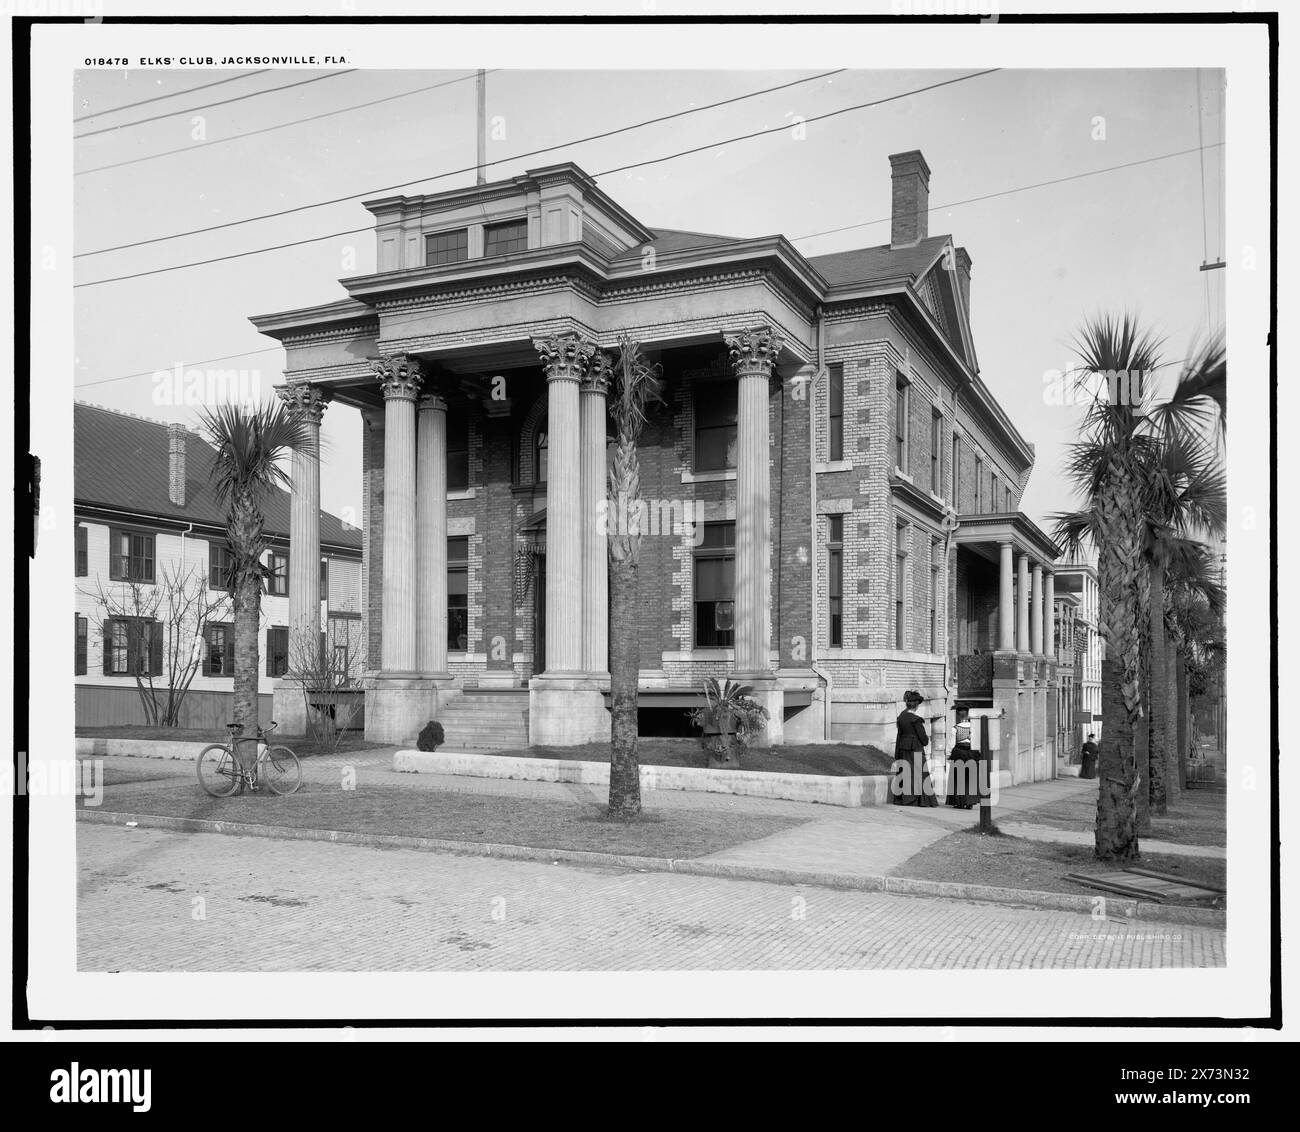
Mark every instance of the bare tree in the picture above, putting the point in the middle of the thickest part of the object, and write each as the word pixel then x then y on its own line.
pixel 160 629
pixel 329 690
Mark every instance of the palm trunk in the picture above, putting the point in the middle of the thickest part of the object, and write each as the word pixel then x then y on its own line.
pixel 624 674
pixel 1184 716
pixel 247 602
pixel 1142 727
pixel 1116 837
pixel 1158 759
pixel 1169 686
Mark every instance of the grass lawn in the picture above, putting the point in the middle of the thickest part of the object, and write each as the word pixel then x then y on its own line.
pixel 839 759
pixel 457 817
pixel 300 745
pixel 1199 818
pixel 967 857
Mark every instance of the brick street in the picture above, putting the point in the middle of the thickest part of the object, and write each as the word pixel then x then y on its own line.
pixel 151 900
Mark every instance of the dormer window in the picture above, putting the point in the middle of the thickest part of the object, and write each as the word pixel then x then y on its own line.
pixel 502 239
pixel 446 247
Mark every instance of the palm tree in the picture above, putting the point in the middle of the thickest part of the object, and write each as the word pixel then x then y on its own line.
pixel 636 386
pixel 1193 616
pixel 250 443
pixel 1126 436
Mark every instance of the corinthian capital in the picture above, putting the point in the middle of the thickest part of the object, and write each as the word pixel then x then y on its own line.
pixel 754 350
pixel 399 376
pixel 304 400
pixel 565 356
pixel 600 375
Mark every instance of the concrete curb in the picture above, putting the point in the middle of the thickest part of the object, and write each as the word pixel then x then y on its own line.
pixel 830 790
pixel 1116 906
pixel 89 745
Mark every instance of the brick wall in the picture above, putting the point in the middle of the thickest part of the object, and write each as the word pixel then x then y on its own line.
pixel 492 583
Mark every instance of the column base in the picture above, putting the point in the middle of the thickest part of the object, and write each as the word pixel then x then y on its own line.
pixel 565 710
pixel 288 707
pixel 768 693
pixel 398 706
pixel 499 679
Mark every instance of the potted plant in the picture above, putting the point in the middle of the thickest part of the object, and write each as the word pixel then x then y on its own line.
pixel 728 721
pixel 431 736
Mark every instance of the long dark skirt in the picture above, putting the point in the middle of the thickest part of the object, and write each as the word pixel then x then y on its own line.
pixel 963 780
pixel 911 785
pixel 1088 768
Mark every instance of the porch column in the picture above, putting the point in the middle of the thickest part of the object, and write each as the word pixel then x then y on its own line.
pixel 566 359
pixel 1006 600
pixel 1036 612
pixel 1022 603
pixel 1049 612
pixel 400 380
pixel 753 354
pixel 595 544
pixel 431 535
pixel 307 403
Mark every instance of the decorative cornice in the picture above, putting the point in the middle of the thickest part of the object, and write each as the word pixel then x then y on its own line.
pixel 565 357
pixel 399 376
pixel 333 334
pixel 304 400
pixel 754 350
pixel 601 374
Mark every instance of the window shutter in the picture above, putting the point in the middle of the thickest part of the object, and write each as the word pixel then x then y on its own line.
pixel 228 666
pixel 155 648
pixel 207 652
pixel 108 648
pixel 270 652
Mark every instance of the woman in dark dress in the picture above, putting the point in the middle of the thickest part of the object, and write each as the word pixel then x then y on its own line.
pixel 911 785
pixel 1089 767
pixel 963 772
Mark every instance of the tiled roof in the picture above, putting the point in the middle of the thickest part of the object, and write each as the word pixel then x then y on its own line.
pixel 870 265
pixel 673 240
pixel 121 462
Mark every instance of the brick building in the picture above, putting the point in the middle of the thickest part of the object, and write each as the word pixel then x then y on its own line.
pixel 146 517
pixel 1076 582
pixel 831 488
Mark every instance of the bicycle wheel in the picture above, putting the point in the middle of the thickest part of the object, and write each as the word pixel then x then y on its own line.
pixel 217 772
pixel 280 770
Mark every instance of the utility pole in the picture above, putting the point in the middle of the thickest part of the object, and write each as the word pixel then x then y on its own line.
pixel 481 172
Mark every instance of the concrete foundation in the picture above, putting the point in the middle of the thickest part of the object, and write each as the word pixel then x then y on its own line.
pixel 566 711
pixel 289 708
pixel 398 706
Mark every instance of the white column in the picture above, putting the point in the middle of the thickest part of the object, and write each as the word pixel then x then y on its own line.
pixel 1036 613
pixel 753 354
pixel 595 544
pixel 431 535
pixel 1049 612
pixel 1006 600
pixel 400 379
pixel 566 359
pixel 307 402
pixel 1022 603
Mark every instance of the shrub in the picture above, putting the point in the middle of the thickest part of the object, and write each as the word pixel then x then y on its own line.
pixel 431 736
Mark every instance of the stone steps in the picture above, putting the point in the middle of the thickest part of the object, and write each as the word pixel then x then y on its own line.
pixel 483 720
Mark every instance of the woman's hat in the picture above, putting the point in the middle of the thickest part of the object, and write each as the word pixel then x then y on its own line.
pixel 911 697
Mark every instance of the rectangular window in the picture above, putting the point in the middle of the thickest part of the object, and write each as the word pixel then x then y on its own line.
pixel 1009 506
pixel 715 426
pixel 342 665
pixel 277 650
pixel 221 565
pixel 936 553
pixel 325 579
pixel 979 485
pixel 993 492
pixel 936 452
pixel 130 556
pixel 446 247
pixel 457 453
pixel 458 593
pixel 900 585
pixel 502 239
pixel 83 643
pixel 900 423
pixel 835 580
pixel 132 646
pixel 715 586
pixel 83 554
pixel 219 655
pixel 835 411
pixel 956 470
pixel 277 581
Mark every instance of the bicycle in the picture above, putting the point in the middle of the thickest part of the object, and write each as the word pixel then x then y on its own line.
pixel 221 775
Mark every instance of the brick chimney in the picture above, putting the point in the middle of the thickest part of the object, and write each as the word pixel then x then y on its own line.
pixel 911 199
pixel 176 463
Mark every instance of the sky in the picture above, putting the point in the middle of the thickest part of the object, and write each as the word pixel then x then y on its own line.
pixel 1044 258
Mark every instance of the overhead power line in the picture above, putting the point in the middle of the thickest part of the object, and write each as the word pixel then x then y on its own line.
pixel 1018 189
pixel 203 362
pixel 455 172
pixel 172 94
pixel 194 146
pixel 212 105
